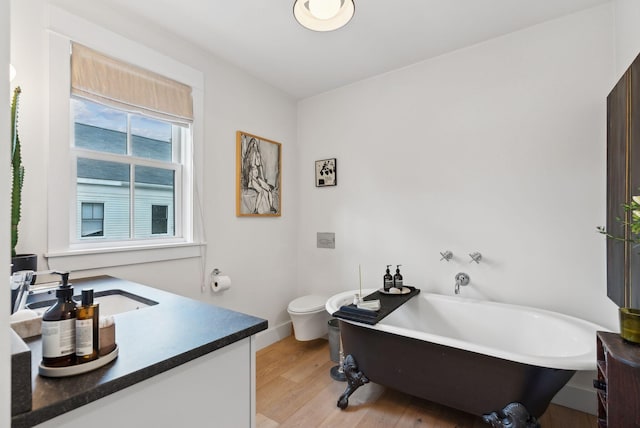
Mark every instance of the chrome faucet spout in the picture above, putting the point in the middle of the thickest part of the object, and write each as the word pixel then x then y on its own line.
pixel 461 279
pixel 20 282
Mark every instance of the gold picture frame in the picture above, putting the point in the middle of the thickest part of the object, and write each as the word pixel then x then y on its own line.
pixel 258 176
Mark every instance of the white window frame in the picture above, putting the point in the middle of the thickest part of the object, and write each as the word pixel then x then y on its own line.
pixel 64 251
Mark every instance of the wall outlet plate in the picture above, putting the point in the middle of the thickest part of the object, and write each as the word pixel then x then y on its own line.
pixel 326 240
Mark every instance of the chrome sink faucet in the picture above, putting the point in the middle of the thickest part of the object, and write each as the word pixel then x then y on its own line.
pixel 461 279
pixel 20 281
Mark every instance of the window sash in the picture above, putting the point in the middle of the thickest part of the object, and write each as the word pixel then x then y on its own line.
pixel 178 173
pixel 91 211
pixel 92 228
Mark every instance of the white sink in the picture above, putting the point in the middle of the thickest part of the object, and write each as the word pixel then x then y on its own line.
pixel 111 302
pixel 117 304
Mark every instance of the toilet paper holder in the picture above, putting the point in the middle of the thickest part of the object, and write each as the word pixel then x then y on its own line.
pixel 219 282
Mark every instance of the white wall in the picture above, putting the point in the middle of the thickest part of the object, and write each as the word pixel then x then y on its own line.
pixel 5 353
pixel 498 148
pixel 254 252
pixel 626 33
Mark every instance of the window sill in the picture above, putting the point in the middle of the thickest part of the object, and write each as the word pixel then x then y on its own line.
pixel 82 259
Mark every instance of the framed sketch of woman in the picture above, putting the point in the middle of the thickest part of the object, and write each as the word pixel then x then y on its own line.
pixel 258 181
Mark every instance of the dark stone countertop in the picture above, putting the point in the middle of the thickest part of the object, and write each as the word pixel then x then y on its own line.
pixel 151 340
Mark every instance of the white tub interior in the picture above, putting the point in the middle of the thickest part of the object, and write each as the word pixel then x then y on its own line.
pixel 516 333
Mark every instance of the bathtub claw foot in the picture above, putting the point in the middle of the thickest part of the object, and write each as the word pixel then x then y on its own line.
pixel 514 415
pixel 355 379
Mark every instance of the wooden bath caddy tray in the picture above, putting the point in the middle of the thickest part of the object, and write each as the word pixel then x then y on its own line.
pixel 388 304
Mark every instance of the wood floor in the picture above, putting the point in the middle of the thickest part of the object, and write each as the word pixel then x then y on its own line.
pixel 294 389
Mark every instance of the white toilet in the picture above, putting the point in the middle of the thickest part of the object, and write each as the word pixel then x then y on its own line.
pixel 309 317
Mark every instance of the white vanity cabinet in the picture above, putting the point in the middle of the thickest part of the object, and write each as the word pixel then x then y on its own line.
pixel 181 362
pixel 215 390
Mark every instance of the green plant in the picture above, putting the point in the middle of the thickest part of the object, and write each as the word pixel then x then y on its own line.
pixel 17 172
pixel 633 209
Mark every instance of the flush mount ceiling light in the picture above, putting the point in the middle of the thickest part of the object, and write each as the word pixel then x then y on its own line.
pixel 323 15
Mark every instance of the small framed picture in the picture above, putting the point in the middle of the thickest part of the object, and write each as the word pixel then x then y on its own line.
pixel 326 172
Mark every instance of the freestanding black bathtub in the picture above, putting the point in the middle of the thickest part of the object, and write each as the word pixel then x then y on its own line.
pixel 499 361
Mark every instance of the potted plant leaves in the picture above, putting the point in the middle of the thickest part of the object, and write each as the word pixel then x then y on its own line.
pixel 18 261
pixel 629 317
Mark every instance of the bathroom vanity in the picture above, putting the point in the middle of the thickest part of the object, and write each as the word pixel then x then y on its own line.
pixel 180 361
pixel 618 381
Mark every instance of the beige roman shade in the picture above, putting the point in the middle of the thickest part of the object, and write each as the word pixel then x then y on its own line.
pixel 107 80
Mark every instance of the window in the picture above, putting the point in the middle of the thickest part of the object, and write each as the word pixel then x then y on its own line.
pixel 130 135
pixel 159 218
pixel 131 161
pixel 92 219
pixel 128 131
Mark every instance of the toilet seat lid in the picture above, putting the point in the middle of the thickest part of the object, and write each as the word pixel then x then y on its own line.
pixel 309 303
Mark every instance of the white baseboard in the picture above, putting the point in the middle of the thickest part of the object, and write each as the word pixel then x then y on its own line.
pixel 577 398
pixel 273 335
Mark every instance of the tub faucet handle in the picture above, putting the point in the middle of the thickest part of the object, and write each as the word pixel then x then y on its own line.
pixel 461 279
pixel 475 257
pixel 446 255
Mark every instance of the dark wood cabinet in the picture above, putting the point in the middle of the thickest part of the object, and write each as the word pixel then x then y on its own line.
pixel 623 182
pixel 617 189
pixel 618 382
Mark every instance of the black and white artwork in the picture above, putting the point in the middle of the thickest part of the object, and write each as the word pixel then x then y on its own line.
pixel 258 176
pixel 326 172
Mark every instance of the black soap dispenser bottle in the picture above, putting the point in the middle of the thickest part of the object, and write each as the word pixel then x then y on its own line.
pixel 87 328
pixel 388 280
pixel 397 278
pixel 59 328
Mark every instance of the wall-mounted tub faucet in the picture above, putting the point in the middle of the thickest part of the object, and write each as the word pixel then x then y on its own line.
pixel 461 279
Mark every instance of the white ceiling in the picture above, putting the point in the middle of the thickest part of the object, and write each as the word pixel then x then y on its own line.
pixel 262 37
